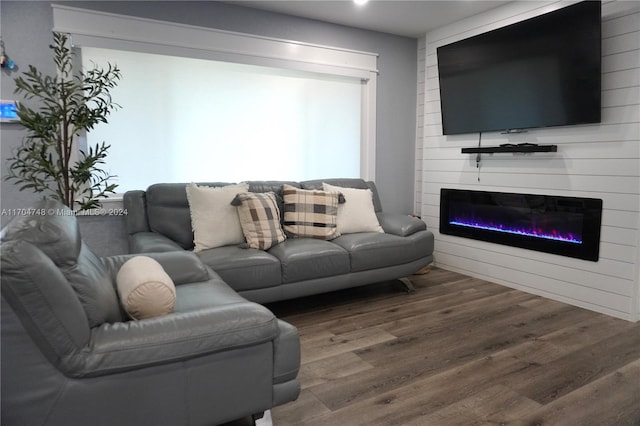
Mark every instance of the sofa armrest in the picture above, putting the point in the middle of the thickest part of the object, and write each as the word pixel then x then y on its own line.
pixel 400 224
pixel 182 266
pixel 145 242
pixel 286 353
pixel 171 338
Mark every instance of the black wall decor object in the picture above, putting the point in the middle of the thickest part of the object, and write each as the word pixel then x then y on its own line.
pixel 510 148
pixel 540 72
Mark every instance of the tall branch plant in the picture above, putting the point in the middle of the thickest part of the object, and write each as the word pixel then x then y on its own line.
pixel 68 105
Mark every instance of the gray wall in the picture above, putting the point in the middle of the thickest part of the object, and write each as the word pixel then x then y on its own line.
pixel 26 32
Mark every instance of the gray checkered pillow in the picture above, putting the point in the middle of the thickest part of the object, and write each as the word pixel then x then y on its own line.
pixel 260 219
pixel 309 213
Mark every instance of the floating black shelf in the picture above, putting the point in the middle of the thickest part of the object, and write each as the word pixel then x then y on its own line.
pixel 510 148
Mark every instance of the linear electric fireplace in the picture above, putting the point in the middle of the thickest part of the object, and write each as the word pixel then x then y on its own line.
pixel 568 226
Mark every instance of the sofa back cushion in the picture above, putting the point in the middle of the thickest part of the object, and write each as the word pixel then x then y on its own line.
pixel 168 211
pixel 275 186
pixel 168 208
pixel 346 183
pixel 54 233
pixel 44 302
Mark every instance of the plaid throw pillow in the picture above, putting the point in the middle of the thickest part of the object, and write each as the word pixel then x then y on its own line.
pixel 260 219
pixel 309 213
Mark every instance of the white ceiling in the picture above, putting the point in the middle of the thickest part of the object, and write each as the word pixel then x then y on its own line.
pixel 400 17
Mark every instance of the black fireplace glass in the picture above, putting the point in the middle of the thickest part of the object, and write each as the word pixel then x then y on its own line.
pixel 568 226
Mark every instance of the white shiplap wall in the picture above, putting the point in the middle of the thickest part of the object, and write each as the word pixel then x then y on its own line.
pixel 597 161
pixel 422 72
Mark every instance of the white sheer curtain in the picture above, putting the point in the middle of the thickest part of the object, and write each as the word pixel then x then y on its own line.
pixel 185 119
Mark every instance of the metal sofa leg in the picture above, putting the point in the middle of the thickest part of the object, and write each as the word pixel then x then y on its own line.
pixel 407 284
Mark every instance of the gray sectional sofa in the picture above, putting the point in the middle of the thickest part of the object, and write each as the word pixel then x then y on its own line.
pixel 158 220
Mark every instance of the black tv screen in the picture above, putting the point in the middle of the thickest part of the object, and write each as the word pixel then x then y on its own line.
pixel 541 72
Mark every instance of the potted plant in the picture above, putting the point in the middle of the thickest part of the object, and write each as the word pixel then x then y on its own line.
pixel 70 103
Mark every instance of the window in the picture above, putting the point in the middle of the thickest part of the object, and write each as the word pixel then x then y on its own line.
pixel 295 92
pixel 187 119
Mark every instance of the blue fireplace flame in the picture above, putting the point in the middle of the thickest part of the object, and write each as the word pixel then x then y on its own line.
pixel 535 233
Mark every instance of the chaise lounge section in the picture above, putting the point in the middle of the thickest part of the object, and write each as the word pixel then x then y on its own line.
pixel 71 355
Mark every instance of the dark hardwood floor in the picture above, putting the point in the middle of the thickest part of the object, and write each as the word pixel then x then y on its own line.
pixel 459 351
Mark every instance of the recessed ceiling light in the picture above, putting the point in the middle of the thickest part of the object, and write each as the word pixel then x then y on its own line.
pixel 360 2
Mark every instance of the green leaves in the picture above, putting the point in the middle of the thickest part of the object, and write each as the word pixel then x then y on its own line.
pixel 69 104
pixel 92 181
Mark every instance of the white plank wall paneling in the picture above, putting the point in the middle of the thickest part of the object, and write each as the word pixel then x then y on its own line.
pixel 596 161
pixel 420 108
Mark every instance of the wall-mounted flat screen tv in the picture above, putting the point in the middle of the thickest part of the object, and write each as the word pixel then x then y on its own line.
pixel 541 72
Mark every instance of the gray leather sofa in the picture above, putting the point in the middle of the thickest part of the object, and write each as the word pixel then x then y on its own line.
pixel 70 357
pixel 158 219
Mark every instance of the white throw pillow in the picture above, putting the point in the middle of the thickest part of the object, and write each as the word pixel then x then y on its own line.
pixel 145 289
pixel 357 213
pixel 214 220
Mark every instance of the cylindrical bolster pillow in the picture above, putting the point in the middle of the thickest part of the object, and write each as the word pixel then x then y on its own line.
pixel 145 289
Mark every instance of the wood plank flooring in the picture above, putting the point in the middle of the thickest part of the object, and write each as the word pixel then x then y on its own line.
pixel 459 351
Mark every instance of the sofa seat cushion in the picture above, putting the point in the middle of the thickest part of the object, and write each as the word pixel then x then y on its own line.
pixel 241 268
pixel 373 250
pixel 308 258
pixel 177 336
pixel 205 295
